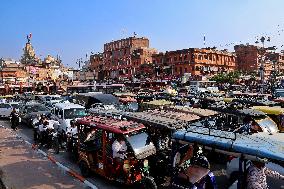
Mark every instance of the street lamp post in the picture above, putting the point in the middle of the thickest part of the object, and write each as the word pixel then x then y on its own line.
pixel 262 39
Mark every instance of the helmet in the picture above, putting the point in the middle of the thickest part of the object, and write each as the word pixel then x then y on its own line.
pixel 200 161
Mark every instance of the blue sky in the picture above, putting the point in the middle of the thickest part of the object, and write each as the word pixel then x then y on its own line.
pixel 72 28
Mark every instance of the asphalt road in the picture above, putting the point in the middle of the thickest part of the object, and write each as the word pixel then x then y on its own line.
pixel 64 158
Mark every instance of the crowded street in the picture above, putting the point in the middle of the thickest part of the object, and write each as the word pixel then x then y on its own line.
pixel 142 95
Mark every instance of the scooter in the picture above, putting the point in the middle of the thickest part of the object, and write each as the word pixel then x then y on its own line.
pixel 72 146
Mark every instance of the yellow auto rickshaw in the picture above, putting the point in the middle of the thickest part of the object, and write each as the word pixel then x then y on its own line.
pixel 275 112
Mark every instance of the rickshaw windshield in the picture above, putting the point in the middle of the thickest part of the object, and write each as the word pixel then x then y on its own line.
pixel 139 140
pixel 268 125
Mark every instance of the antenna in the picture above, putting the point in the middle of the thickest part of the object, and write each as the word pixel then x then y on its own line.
pixel 124 33
pixel 204 41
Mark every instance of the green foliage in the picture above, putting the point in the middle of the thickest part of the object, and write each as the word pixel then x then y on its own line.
pixel 231 77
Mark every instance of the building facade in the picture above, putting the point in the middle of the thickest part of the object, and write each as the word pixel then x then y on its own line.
pixel 122 58
pixel 250 59
pixel 195 61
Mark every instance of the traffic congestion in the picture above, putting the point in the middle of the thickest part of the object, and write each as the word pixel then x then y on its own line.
pixel 162 138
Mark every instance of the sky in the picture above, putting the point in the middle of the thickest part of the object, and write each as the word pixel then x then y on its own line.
pixel 74 28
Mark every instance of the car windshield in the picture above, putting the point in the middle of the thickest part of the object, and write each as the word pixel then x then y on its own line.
pixel 36 108
pixel 138 141
pixel 74 113
pixel 133 106
pixel 17 106
pixel 268 125
pixel 279 94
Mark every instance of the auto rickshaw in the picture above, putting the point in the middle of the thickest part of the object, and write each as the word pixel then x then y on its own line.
pixel 235 117
pixel 264 148
pixel 96 136
pixel 276 113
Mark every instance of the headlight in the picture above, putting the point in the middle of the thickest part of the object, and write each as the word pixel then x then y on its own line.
pixel 146 163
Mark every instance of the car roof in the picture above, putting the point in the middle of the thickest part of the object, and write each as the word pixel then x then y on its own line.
pixel 33 104
pixel 68 105
pixel 111 124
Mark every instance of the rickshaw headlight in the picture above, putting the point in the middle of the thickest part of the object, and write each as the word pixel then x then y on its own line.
pixel 146 163
pixel 126 165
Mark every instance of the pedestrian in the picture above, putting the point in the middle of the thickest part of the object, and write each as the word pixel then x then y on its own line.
pixel 14 119
pixel 194 172
pixel 256 177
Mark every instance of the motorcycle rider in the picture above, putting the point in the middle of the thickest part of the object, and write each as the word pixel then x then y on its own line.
pixel 14 119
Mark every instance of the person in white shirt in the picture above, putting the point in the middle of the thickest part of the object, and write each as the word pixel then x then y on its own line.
pixel 42 127
pixel 43 131
pixel 71 135
pixel 119 148
pixel 72 130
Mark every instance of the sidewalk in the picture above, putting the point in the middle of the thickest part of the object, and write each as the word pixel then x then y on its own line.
pixel 24 168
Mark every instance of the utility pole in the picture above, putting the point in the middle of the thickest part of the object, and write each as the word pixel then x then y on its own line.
pixel 261 69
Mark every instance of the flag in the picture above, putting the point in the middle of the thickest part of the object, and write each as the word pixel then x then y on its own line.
pixel 30 35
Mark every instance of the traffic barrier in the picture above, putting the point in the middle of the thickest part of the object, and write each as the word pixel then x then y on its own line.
pixel 53 160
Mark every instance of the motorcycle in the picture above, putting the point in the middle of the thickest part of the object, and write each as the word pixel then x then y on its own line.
pixel 72 146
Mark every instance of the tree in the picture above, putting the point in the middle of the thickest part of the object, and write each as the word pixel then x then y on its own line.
pixel 231 77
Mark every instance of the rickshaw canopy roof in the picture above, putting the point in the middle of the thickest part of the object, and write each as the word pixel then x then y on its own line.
pixel 197 111
pixel 260 145
pixel 275 110
pixel 111 124
pixel 158 102
pixel 162 119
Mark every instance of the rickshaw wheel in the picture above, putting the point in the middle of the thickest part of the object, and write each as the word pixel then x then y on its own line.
pixel 148 183
pixel 84 168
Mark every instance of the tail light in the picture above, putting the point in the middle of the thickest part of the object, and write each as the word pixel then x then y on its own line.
pixel 138 177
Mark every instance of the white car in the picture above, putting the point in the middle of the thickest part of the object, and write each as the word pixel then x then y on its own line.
pixel 65 112
pixel 233 168
pixel 5 110
pixel 15 105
